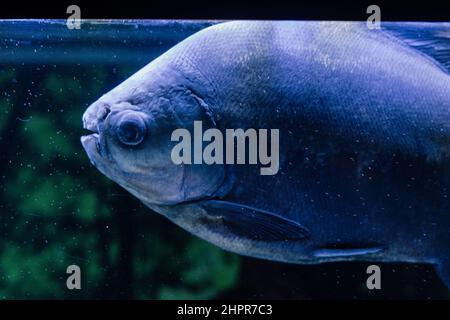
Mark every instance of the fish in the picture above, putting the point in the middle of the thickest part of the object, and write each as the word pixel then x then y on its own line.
pixel 364 139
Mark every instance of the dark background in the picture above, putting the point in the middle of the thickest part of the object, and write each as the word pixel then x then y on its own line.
pixel 399 10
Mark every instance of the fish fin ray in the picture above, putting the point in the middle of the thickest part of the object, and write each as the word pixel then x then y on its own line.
pixel 255 224
pixel 431 39
pixel 443 270
pixel 342 252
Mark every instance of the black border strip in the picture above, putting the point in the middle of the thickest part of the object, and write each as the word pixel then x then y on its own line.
pixel 232 9
pixel 152 309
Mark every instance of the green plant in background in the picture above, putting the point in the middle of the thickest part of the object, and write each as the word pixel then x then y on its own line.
pixel 57 210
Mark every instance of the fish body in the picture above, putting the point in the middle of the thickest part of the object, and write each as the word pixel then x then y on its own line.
pixel 364 147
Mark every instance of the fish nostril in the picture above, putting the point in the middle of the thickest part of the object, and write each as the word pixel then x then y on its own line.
pixel 95 115
pixel 104 113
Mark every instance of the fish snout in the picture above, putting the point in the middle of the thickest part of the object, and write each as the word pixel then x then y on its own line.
pixel 95 115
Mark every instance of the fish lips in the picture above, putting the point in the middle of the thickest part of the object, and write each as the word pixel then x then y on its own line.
pixel 94 144
pixel 95 152
pixel 91 145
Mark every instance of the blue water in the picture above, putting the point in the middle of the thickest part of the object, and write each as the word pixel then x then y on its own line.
pixel 115 42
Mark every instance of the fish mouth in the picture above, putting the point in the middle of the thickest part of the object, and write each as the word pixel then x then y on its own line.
pixel 91 144
pixel 91 141
pixel 93 118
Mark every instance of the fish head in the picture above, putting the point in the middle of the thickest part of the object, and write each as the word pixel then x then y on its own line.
pixel 131 142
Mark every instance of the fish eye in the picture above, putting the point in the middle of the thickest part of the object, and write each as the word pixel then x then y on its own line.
pixel 131 129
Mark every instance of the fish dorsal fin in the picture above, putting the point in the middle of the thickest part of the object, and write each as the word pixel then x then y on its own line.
pixel 431 39
pixel 253 223
pixel 337 251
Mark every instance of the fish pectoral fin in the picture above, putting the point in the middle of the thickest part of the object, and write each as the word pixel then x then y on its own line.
pixel 432 39
pixel 254 224
pixel 442 265
pixel 330 252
